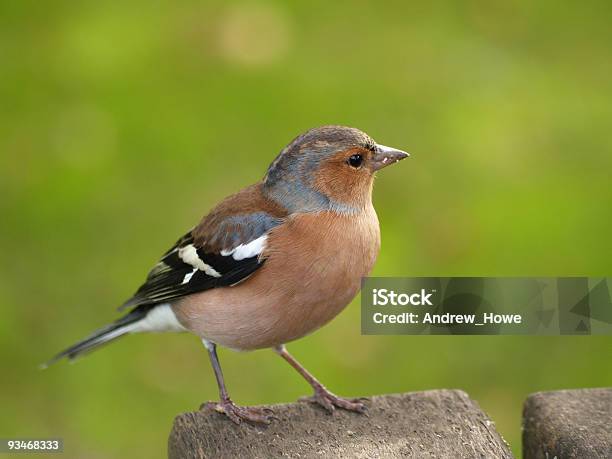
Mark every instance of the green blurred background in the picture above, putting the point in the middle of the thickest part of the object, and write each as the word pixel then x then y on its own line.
pixel 121 123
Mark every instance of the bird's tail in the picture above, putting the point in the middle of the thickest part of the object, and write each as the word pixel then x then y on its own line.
pixel 104 335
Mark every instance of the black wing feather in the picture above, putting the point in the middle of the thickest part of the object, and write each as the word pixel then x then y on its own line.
pixel 165 281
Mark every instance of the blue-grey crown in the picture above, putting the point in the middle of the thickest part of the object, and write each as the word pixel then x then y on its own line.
pixel 288 180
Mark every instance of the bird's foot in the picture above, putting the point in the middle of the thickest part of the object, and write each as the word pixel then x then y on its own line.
pixel 329 401
pixel 238 414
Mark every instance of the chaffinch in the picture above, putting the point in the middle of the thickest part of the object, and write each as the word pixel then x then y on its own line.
pixel 271 263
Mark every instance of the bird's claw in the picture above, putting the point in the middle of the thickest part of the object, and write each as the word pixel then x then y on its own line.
pixel 329 401
pixel 237 414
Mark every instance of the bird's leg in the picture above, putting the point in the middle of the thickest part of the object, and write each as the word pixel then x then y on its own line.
pixel 225 405
pixel 322 395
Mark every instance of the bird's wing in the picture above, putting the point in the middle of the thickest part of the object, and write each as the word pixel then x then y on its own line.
pixel 223 250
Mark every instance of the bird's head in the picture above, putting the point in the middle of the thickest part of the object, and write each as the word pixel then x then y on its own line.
pixel 327 168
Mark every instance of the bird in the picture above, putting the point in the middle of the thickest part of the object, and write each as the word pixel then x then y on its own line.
pixel 269 264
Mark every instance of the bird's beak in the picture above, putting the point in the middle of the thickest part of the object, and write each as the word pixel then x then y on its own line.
pixel 385 156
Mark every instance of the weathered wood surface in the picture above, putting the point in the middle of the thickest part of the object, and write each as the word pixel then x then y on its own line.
pixel 568 424
pixel 433 424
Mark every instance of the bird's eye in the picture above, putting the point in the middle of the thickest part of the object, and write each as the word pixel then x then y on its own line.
pixel 355 161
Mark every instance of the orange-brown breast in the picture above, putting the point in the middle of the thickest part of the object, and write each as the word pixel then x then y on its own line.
pixel 313 269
